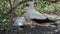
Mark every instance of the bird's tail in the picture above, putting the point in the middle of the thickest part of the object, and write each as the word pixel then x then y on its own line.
pixel 52 21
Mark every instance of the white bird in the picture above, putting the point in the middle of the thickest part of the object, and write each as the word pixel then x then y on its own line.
pixel 34 15
pixel 20 21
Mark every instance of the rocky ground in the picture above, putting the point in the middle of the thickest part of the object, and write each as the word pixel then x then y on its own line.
pixel 34 28
pixel 37 29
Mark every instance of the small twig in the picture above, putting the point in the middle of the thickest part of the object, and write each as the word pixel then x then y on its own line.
pixel 13 2
pixel 14 7
pixel 10 3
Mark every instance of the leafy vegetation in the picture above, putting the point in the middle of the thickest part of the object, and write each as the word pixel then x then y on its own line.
pixel 5 21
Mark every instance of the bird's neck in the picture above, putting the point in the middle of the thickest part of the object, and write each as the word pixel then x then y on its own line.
pixel 30 8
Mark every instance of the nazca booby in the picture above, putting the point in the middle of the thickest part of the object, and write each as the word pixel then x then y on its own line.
pixel 34 15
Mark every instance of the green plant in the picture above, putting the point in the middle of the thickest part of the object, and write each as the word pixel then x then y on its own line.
pixel 5 21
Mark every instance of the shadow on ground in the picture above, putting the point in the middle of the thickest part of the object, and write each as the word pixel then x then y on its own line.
pixel 35 30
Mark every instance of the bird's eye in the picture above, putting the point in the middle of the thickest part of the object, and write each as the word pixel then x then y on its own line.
pixel 27 5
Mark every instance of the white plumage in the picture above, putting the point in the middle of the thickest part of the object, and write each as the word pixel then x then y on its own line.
pixel 32 13
pixel 20 21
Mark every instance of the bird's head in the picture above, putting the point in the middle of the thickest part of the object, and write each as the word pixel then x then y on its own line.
pixel 29 4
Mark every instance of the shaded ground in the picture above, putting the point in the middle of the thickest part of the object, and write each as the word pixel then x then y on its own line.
pixel 34 28
pixel 45 28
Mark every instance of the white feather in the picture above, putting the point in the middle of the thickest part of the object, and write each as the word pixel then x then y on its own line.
pixel 20 21
pixel 32 13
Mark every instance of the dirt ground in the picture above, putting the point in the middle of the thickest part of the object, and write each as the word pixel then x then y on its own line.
pixel 34 28
pixel 37 29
